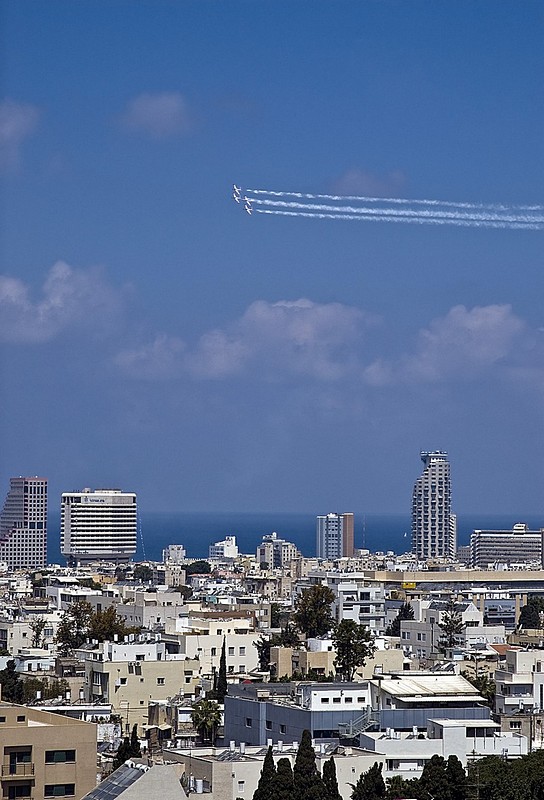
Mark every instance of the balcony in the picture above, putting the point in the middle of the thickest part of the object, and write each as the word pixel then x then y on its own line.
pixel 25 769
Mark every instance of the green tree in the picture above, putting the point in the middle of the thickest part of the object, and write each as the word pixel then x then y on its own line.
pixel 313 611
pixel 12 686
pixel 330 781
pixel 371 785
pixel 268 773
pixel 49 689
pixel 531 615
pixel 306 778
pixel 406 611
pixel 398 788
pixel 457 779
pixel 79 622
pixel 143 573
pixel 353 644
pixel 198 568
pixel 282 783
pixel 206 718
pixel 451 626
pixel 222 686
pixel 37 626
pixel 74 626
pixel 485 685
pixel 434 779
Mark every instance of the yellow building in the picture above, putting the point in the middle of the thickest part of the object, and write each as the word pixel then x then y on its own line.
pixel 45 755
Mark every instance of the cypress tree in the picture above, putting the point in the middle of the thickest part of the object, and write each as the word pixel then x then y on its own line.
pixel 329 780
pixel 222 678
pixel 307 780
pixel 135 743
pixel 268 773
pixel 371 785
pixel 282 787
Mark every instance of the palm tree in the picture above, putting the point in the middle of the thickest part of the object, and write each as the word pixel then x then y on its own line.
pixel 206 718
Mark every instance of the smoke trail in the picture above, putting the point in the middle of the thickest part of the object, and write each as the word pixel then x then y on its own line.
pixel 390 214
pixel 414 220
pixel 397 200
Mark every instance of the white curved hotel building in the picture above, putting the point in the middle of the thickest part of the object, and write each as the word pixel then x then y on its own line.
pixel 100 525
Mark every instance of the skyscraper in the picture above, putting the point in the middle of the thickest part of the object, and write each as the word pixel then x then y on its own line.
pixel 23 524
pixel 98 525
pixel 434 528
pixel 334 536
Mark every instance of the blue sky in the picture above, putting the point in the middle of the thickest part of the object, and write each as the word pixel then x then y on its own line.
pixel 157 339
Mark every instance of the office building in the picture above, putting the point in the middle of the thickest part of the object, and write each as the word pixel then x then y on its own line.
pixel 98 525
pixel 334 536
pixel 23 524
pixel 519 546
pixel 434 528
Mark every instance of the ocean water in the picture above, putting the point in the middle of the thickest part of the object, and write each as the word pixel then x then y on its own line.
pixel 197 530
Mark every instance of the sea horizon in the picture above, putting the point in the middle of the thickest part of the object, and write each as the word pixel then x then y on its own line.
pixel 377 532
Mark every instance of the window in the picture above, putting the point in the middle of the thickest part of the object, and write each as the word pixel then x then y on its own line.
pixel 249 722
pixel 214 651
pixel 160 681
pixel 242 668
pixel 241 786
pixel 122 681
pixel 336 699
pixel 268 724
pixel 231 651
pixel 2 719
pixel 243 651
pixel 515 724
pixel 324 699
pixel 21 718
pixel 348 699
pixel 22 790
pixel 59 789
pixel 58 756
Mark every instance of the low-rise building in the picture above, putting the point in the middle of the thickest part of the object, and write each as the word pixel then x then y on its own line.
pixel 45 755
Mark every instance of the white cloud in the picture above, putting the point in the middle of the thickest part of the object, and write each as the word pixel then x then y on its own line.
pixel 156 361
pixel 17 122
pixel 296 337
pixel 461 344
pixel 69 297
pixel 270 340
pixel 158 115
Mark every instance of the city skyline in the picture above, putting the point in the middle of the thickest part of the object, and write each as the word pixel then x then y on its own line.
pixel 156 339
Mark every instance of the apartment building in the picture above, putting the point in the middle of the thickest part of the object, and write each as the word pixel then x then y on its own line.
pixel 23 524
pixel 129 674
pixel 45 755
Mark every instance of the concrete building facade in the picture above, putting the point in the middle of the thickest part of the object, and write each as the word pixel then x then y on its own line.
pixel 45 755
pixel 99 525
pixel 434 527
pixel 335 536
pixel 23 524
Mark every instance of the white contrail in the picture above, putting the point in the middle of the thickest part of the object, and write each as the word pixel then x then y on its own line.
pixel 397 200
pixel 391 213
pixel 415 220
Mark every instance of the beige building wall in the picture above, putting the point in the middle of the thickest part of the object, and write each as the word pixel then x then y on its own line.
pixel 45 755
pixel 129 685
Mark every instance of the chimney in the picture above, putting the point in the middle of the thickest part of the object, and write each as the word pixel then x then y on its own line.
pixel 242 748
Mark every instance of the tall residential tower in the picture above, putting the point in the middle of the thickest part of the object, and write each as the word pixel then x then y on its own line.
pixel 23 524
pixel 98 525
pixel 334 536
pixel 434 527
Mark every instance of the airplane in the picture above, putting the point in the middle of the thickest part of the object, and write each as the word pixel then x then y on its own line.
pixel 236 192
pixel 247 206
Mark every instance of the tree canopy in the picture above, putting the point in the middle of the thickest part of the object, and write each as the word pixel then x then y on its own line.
pixel 206 718
pixel 406 611
pixel 353 644
pixel 313 615
pixel 79 622
pixel 451 626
